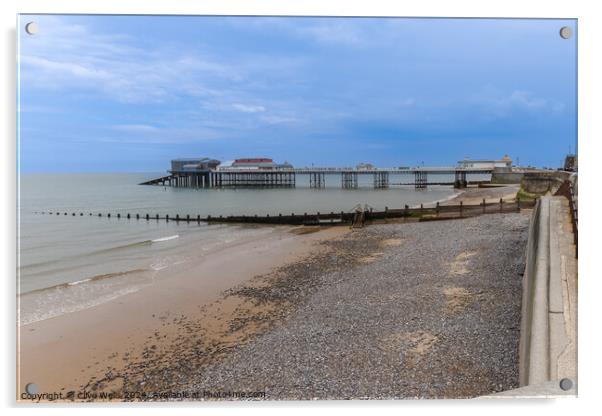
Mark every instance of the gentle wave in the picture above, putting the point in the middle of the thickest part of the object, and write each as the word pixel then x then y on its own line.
pixel 91 279
pixel 171 237
pixel 54 311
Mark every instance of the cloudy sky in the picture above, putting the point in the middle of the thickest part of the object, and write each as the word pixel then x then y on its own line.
pixel 109 93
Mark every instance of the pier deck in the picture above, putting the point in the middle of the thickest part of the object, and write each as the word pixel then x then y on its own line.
pixel 268 178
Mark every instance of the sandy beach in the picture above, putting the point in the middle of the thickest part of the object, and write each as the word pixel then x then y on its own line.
pixel 475 195
pixel 111 342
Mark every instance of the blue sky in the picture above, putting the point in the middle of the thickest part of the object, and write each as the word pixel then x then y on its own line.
pixel 129 93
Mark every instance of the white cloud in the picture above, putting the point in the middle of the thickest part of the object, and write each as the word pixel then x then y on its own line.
pixel 500 104
pixel 279 119
pixel 248 108
pixel 136 128
pixel 68 57
pixel 335 32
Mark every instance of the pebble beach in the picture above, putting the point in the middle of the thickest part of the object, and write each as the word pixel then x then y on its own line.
pixel 422 310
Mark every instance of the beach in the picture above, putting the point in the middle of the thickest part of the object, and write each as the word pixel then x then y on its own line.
pixel 73 351
pixel 419 310
pixel 301 313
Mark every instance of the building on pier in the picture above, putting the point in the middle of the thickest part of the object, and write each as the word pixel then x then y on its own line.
pixel 194 164
pixel 468 163
pixel 257 163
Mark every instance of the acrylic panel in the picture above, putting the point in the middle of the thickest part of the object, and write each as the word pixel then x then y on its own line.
pixel 283 208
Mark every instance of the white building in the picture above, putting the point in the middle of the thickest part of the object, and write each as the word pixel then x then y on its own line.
pixel 468 163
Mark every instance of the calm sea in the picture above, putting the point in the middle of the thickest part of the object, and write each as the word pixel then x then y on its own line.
pixel 69 263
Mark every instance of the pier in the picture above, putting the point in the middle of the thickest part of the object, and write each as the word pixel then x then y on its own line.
pixel 420 178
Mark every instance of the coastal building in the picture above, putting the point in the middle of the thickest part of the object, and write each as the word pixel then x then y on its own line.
pixel 254 163
pixel 257 163
pixel 365 166
pixel 468 163
pixel 193 164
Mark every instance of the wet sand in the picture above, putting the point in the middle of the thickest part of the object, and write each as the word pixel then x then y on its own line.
pixel 475 196
pixel 118 345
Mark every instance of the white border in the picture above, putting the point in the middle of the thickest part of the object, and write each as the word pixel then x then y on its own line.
pixel 590 112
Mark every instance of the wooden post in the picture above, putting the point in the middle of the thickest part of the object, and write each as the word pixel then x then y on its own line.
pixel 128 215
pixel 501 205
pixel 167 217
pixel 177 217
pixel 118 215
pixel 386 211
pixel 437 209
pixel 157 217
pixel 484 205
pixel 137 216
pixel 421 209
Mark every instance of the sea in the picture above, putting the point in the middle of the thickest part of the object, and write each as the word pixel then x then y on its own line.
pixel 69 263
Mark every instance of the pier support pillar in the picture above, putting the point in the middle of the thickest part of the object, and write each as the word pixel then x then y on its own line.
pixel 317 180
pixel 381 180
pixel 349 180
pixel 460 179
pixel 420 179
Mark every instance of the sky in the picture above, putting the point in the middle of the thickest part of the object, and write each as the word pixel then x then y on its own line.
pixel 130 93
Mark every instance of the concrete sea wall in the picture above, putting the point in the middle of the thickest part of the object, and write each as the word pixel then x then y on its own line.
pixel 547 351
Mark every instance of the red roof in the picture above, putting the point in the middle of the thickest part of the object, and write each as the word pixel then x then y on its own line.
pixel 256 160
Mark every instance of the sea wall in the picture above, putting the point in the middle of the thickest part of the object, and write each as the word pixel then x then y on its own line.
pixel 547 350
pixel 542 182
pixel 506 176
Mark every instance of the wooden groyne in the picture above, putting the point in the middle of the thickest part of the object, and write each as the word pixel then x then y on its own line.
pixel 356 217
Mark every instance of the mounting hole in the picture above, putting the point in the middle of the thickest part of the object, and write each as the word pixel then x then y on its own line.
pixel 566 32
pixel 31 28
pixel 31 388
pixel 566 384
